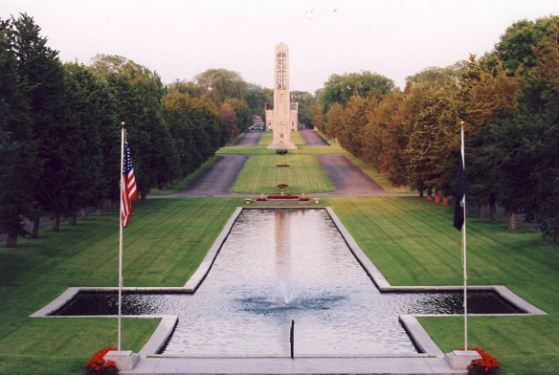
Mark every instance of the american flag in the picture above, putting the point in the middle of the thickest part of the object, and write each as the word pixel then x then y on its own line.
pixel 129 190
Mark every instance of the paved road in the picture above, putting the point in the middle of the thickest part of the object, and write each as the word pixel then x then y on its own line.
pixel 348 179
pixel 249 139
pixel 312 138
pixel 218 179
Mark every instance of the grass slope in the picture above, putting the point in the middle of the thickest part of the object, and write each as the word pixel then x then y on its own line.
pixel 261 175
pixel 413 243
pixel 164 244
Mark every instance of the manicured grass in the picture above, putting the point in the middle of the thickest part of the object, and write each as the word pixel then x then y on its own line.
pixel 261 175
pixel 181 184
pixel 377 176
pixel 413 242
pixel 245 150
pixel 164 244
pixel 297 138
pixel 267 139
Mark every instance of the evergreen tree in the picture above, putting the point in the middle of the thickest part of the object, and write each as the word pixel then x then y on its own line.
pixel 17 146
pixel 43 81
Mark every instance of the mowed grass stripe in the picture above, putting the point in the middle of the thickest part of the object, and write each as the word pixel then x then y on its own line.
pixel 261 175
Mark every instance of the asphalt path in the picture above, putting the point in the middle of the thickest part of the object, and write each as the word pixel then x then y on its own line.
pixel 348 179
pixel 249 139
pixel 218 179
pixel 312 138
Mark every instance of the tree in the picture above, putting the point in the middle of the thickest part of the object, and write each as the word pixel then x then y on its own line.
pixel 385 137
pixel 516 47
pixel 222 84
pixel 42 78
pixel 334 120
pixel 137 92
pixel 17 145
pixel 340 88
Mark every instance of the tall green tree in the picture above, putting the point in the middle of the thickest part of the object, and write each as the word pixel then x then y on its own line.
pixel 42 77
pixel 17 144
pixel 340 88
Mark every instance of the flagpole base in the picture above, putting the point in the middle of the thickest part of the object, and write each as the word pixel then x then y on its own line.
pixel 125 359
pixel 461 359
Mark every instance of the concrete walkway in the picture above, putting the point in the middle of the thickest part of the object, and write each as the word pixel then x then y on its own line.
pixel 408 366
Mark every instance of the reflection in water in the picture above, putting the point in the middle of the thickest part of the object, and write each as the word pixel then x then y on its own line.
pixel 279 265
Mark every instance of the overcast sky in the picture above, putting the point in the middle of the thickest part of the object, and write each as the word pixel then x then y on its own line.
pixel 181 38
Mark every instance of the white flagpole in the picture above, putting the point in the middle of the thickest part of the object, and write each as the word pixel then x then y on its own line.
pixel 121 238
pixel 464 248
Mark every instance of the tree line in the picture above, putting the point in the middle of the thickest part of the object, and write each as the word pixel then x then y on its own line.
pixel 508 102
pixel 60 133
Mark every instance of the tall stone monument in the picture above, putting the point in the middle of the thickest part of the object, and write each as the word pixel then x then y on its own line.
pixel 281 119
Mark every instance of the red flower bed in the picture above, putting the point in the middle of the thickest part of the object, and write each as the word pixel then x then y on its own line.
pixel 282 165
pixel 486 365
pixel 283 196
pixel 304 199
pixel 261 199
pixel 97 365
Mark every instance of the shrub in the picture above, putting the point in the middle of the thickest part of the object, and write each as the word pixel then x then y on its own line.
pixel 282 151
pixel 486 365
pixel 97 365
pixel 283 185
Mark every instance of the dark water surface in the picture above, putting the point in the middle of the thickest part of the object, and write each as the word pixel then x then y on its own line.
pixel 283 265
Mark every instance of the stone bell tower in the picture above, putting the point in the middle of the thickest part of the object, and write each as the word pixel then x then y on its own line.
pixel 282 118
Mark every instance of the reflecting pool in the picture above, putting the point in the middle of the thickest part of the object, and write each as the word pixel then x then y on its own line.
pixel 282 265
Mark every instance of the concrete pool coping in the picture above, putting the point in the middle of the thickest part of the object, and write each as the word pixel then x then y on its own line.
pixel 419 336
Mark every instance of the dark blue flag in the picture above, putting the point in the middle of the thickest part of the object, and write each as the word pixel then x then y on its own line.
pixel 460 193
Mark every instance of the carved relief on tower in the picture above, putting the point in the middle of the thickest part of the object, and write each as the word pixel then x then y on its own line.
pixel 281 70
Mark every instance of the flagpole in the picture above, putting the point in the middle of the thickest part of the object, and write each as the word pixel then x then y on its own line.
pixel 464 247
pixel 121 238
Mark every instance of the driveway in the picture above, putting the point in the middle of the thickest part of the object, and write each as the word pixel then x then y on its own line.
pixel 348 179
pixel 312 138
pixel 218 179
pixel 249 139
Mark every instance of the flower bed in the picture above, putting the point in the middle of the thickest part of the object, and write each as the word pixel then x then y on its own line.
pixel 486 365
pixel 97 365
pixel 304 199
pixel 282 196
pixel 282 165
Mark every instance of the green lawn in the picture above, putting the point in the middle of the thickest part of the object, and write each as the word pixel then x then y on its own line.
pixel 261 175
pixel 413 243
pixel 164 244
pixel 266 139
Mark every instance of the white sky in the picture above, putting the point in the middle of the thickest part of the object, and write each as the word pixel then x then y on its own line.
pixel 181 38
